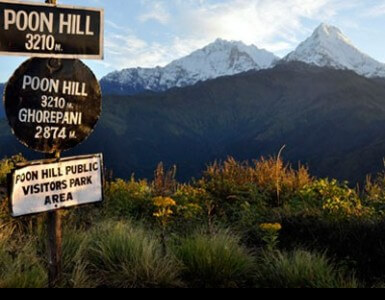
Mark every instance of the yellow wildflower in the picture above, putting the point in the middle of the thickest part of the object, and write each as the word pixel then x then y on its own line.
pixel 164 202
pixel 272 227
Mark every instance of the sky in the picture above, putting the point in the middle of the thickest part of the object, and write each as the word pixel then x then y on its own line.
pixel 149 33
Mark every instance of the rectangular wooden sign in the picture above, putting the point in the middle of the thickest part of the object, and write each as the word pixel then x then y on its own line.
pixel 48 185
pixel 51 31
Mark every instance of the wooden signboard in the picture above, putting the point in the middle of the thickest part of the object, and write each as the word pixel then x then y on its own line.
pixel 50 31
pixel 42 186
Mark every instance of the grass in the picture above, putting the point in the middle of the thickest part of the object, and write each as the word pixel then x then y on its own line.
pixel 300 269
pixel 123 256
pixel 217 260
pixel 20 267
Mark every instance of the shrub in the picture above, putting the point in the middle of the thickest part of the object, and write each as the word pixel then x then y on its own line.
pixel 190 203
pixel 334 199
pixel 215 261
pixel 164 183
pixel 300 269
pixel 129 199
pixel 122 256
pixel 266 183
pixel 374 194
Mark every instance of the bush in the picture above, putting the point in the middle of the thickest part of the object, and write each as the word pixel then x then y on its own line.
pixel 300 269
pixel 374 194
pixel 122 256
pixel 215 261
pixel 129 199
pixel 265 184
pixel 332 198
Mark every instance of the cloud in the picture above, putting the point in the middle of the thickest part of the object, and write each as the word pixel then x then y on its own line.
pixel 377 10
pixel 276 25
pixel 126 50
pixel 156 11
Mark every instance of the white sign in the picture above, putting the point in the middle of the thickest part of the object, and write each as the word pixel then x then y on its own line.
pixel 44 186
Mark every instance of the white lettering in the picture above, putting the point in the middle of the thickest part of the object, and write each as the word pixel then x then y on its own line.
pixel 50 117
pixel 88 26
pixel 65 22
pixel 9 18
pixel 41 84
pixel 32 21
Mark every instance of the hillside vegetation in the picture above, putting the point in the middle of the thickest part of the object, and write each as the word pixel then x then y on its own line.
pixel 257 224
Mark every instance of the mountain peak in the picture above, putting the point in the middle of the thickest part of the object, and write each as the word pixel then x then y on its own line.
pixel 328 29
pixel 329 32
pixel 330 47
pixel 228 43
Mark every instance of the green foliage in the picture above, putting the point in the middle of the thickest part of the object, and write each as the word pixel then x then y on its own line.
pixel 266 183
pixel 20 266
pixel 6 166
pixel 270 235
pixel 190 202
pixel 129 199
pixel 333 199
pixel 300 269
pixel 374 194
pixel 123 256
pixel 75 247
pixel 216 260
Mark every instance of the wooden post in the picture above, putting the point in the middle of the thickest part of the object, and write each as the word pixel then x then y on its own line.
pixel 55 242
pixel 55 234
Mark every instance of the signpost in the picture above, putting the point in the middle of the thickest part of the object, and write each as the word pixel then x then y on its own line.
pixel 53 102
pixel 50 31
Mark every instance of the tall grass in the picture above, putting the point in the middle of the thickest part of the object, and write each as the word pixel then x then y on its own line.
pixel 75 268
pixel 124 256
pixel 20 266
pixel 300 269
pixel 215 261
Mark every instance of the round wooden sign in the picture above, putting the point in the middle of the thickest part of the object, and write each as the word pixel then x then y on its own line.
pixel 52 105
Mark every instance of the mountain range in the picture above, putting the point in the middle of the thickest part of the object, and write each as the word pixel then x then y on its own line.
pixel 221 58
pixel 326 47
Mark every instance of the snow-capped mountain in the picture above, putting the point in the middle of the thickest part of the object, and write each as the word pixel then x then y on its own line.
pixel 218 59
pixel 329 47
